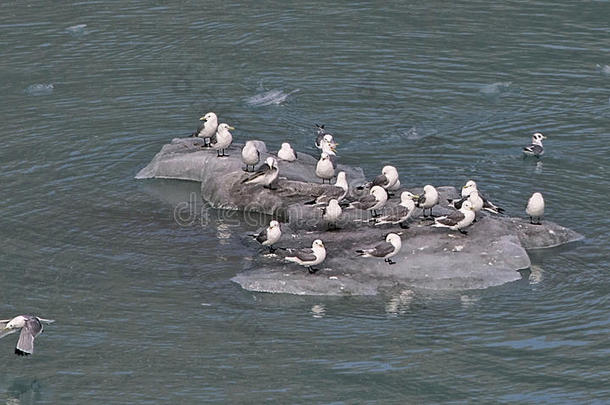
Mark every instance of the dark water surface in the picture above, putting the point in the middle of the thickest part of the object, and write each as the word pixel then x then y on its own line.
pixel 446 92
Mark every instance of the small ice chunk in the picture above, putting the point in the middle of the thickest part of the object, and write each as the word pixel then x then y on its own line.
pixel 40 89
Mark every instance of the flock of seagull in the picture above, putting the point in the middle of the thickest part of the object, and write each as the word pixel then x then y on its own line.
pixel 331 203
pixel 335 200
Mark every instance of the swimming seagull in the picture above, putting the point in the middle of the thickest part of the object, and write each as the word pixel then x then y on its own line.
pixel 287 153
pixel 471 186
pixel 427 200
pixel 331 213
pixel 31 327
pixel 457 220
pixel 535 149
pixel 384 250
pixel 222 139
pixel 270 235
pixel 401 213
pixel 325 169
pixel 535 208
pixel 338 192
pixel 207 129
pixel 250 155
pixel 266 174
pixel 309 257
pixel 373 201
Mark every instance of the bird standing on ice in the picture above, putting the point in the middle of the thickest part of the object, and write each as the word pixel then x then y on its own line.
pixel 250 155
pixel 428 199
pixel 470 187
pixel 270 235
pixel 373 201
pixel 287 153
pixel 207 129
pixel 331 213
pixel 222 139
pixel 266 174
pixel 325 169
pixel 535 208
pixel 384 250
pixel 458 220
pixel 536 148
pixel 401 213
pixel 309 257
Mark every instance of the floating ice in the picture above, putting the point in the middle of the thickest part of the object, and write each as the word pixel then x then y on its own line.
pixel 39 89
pixel 270 97
pixel 495 88
pixel 78 29
pixel 605 69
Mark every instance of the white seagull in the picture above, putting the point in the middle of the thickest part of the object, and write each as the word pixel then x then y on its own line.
pixel 309 257
pixel 270 235
pixel 325 169
pixel 388 179
pixel 207 129
pixel 535 208
pixel 457 220
pixel 320 132
pixel 535 149
pixel 428 199
pixel 266 174
pixel 31 327
pixel 338 192
pixel 331 213
pixel 250 155
pixel 468 188
pixel 222 139
pixel 384 250
pixel 373 201
pixel 401 213
pixel 287 153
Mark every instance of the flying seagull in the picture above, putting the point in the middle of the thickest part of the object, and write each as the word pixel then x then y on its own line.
pixel 31 327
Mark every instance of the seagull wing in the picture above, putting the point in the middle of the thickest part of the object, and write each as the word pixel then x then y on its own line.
pixel 457 203
pixel 260 172
pixel 451 219
pixel 306 255
pixel 535 149
pixel 380 180
pixel 421 200
pixel 262 236
pixel 31 329
pixel 383 249
pixel 366 202
pixel 333 160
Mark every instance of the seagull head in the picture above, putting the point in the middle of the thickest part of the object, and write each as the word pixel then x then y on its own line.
pixel 378 192
pixel 392 238
pixel 390 172
pixel 407 196
pixel 429 189
pixel 333 202
pixel 317 244
pixel 471 185
pixel 324 156
pixel 225 127
pixel 467 205
pixel 208 117
pixel 16 323
pixel 274 224
pixel 537 138
pixel 271 162
pixel 286 146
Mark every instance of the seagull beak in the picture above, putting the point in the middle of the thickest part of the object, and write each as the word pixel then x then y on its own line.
pixel 415 197
pixel 398 233
pixel 543 137
pixel 202 119
pixel 231 128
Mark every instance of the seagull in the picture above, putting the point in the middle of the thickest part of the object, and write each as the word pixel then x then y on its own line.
pixel 387 179
pixel 287 153
pixel 402 212
pixel 535 208
pixel 475 199
pixel 331 213
pixel 384 250
pixel 309 257
pixel 471 186
pixel 222 139
pixel 457 220
pixel 31 327
pixel 266 174
pixel 320 132
pixel 338 192
pixel 270 235
pixel 373 201
pixel 427 200
pixel 535 149
pixel 250 155
pixel 325 169
pixel 207 129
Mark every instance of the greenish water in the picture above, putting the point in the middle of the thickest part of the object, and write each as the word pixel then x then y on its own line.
pixel 144 307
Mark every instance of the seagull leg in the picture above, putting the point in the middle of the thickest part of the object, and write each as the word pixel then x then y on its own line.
pixel 389 261
pixel 463 232
pixel 218 153
pixel 312 270
pixel 532 220
pixel 404 225
pixel 271 249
